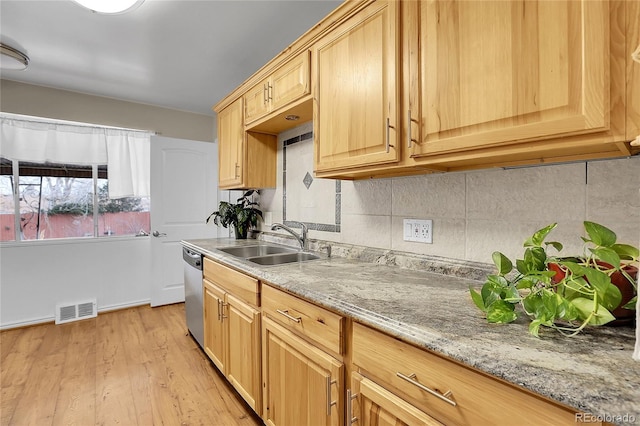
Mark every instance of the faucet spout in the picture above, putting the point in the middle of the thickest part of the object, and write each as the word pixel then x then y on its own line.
pixel 302 239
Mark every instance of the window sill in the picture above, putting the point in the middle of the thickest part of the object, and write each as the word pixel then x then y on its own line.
pixel 67 241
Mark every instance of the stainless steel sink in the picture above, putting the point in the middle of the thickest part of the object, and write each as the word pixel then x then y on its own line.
pixel 279 259
pixel 257 250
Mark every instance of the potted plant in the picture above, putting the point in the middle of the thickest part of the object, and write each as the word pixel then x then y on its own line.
pixel 242 215
pixel 562 293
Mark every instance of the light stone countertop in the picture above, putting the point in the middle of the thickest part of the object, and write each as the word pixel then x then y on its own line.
pixel 593 372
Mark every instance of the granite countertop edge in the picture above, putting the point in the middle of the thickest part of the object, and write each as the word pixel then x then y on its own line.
pixel 526 363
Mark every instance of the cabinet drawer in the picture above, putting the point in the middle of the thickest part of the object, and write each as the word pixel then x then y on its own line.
pixel 471 397
pixel 241 285
pixel 312 321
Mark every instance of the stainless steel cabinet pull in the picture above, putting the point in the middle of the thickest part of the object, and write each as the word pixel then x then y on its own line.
pixel 264 93
pixel 236 171
pixel 269 92
pixel 412 379
pixel 286 314
pixel 409 130
pixel 388 136
pixel 222 315
pixel 329 402
pixel 219 314
pixel 350 398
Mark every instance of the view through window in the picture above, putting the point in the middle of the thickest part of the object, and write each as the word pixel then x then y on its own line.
pixel 65 201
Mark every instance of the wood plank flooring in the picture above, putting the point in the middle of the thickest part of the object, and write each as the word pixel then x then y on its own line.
pixel 130 367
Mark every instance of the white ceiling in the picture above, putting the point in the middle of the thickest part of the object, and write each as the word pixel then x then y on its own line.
pixel 180 54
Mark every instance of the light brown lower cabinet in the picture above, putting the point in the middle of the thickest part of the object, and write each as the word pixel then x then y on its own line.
pixel 232 332
pixel 214 330
pixel 446 390
pixel 372 405
pixel 303 385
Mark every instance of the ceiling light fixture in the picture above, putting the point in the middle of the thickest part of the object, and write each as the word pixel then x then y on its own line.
pixel 12 59
pixel 110 6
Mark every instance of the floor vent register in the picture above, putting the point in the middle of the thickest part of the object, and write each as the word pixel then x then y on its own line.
pixel 75 312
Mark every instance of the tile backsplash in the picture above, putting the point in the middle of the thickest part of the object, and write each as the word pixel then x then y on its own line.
pixel 474 213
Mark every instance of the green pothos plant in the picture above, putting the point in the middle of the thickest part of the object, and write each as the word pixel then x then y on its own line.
pixel 565 294
pixel 242 215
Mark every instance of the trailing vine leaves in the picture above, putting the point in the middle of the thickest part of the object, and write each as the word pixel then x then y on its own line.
pixel 582 294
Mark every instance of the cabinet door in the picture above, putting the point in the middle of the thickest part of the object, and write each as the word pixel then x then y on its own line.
pixel 231 145
pixel 214 331
pixel 355 119
pixel 256 101
pixel 373 405
pixel 302 384
pixel 290 82
pixel 504 71
pixel 243 364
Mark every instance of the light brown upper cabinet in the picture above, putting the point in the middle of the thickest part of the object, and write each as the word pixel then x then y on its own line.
pixel 287 84
pixel 503 83
pixel 356 91
pixel 245 159
pixel 487 84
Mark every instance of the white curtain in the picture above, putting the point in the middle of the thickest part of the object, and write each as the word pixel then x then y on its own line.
pixel 129 159
pixel 125 152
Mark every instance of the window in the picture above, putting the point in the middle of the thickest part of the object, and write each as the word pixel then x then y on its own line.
pixel 64 201
pixel 62 179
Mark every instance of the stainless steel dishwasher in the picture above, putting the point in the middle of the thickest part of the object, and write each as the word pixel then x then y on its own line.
pixel 193 299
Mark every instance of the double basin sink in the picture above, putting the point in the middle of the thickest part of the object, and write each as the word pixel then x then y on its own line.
pixel 267 254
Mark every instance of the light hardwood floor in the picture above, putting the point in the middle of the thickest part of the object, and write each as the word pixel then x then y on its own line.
pixel 130 367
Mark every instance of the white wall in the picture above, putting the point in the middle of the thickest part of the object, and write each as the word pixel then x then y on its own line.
pixel 474 213
pixel 37 275
pixel 39 101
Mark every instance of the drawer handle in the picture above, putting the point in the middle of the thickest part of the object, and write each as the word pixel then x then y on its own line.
pixel 412 379
pixel 286 314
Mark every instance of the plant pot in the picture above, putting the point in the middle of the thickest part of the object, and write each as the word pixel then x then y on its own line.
pixel 623 316
pixel 240 235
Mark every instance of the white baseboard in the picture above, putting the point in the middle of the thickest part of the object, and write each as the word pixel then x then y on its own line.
pixel 47 319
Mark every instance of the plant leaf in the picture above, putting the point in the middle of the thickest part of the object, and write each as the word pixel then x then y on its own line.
pixel 626 252
pixel 538 237
pixel 534 260
pixel 511 295
pixel 555 244
pixel 600 235
pixel 632 303
pixel 491 291
pixel 598 280
pixel 611 298
pixel 501 312
pixel 584 306
pixel 477 299
pixel 603 316
pixel 534 327
pixel 502 262
pixel 607 255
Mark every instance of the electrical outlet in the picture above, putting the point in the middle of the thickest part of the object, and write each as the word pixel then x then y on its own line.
pixel 426 227
pixel 418 230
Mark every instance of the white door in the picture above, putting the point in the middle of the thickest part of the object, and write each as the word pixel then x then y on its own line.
pixel 184 191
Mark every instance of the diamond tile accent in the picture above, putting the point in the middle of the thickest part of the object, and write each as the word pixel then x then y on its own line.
pixel 308 180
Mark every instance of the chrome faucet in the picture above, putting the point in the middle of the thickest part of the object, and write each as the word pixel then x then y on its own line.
pixel 302 239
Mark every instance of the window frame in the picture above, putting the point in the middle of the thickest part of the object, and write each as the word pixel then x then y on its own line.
pixel 95 175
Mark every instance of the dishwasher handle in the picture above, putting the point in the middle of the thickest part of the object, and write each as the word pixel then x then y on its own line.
pixel 193 258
